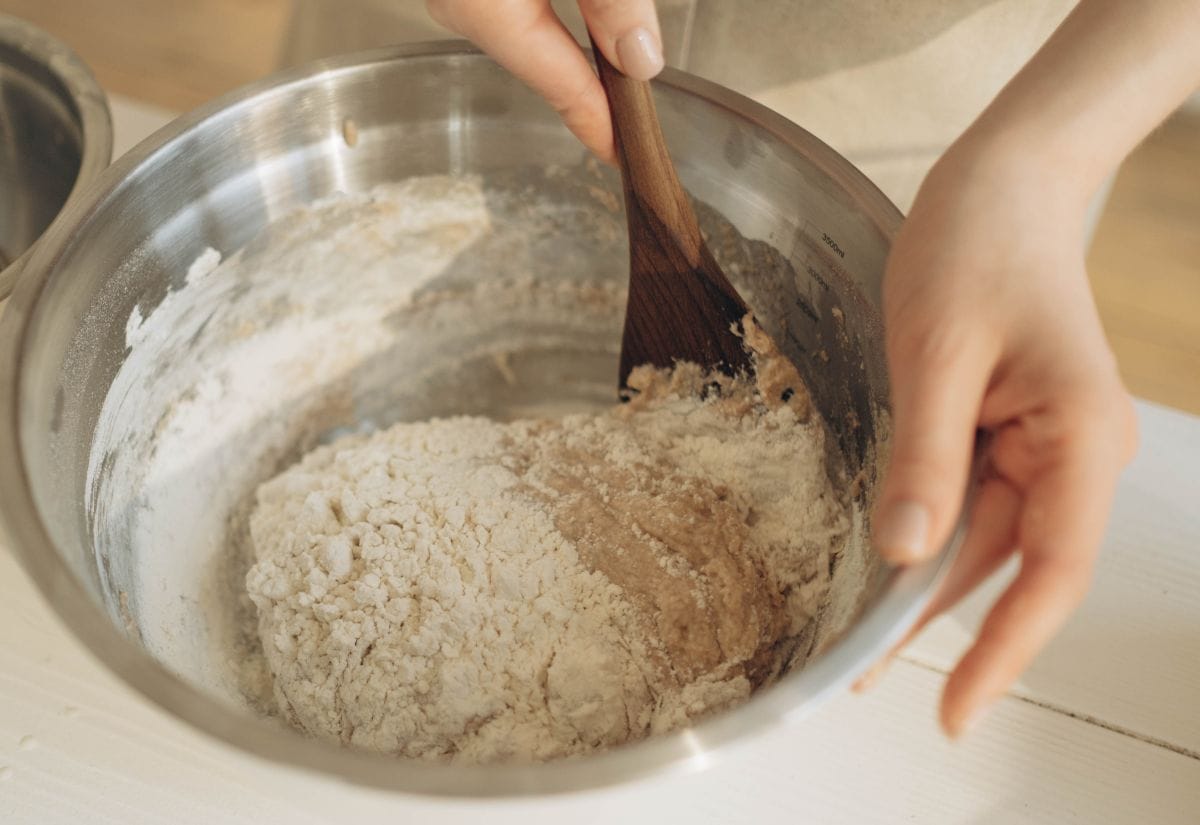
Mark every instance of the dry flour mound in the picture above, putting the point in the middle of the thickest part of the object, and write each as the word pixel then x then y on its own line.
pixel 467 589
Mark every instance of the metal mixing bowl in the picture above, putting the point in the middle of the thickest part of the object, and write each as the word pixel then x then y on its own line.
pixel 55 137
pixel 773 194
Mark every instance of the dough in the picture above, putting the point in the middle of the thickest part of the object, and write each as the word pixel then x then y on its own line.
pixel 473 590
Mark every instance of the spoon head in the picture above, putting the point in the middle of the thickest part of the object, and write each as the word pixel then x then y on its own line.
pixel 681 306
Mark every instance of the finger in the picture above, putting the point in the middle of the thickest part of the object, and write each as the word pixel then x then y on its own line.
pixel 991 536
pixel 529 40
pixel 1059 531
pixel 938 381
pixel 1023 449
pixel 627 32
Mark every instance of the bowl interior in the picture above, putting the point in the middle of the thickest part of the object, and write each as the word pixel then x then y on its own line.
pixel 153 397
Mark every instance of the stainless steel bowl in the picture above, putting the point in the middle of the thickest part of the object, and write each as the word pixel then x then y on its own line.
pixel 773 194
pixel 55 137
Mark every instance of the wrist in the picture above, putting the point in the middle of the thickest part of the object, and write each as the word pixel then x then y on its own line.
pixel 1027 165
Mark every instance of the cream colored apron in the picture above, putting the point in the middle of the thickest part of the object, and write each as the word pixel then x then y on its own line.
pixel 887 84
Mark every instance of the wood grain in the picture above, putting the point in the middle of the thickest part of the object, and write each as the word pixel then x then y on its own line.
pixel 681 307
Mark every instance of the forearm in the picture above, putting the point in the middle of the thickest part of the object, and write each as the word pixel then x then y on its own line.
pixel 1111 73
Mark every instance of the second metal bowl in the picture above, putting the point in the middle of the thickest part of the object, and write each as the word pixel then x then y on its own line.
pixel 55 137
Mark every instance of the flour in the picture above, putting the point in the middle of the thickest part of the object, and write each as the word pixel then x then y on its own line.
pixel 248 359
pixel 205 263
pixel 529 590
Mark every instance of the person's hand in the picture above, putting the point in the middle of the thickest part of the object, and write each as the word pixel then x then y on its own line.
pixel 527 38
pixel 990 324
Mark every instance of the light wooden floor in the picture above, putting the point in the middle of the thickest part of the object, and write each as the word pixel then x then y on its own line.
pixel 1145 265
pixel 174 53
pixel 1145 262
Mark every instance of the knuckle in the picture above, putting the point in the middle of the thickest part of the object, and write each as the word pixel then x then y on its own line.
pixel 575 102
pixel 1103 411
pixel 930 346
pixel 1088 416
pixel 605 7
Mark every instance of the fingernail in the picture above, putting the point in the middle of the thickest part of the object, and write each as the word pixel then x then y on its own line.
pixel 970 723
pixel 640 55
pixel 871 678
pixel 902 530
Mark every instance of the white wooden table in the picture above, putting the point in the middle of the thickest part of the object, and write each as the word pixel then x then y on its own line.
pixel 1105 727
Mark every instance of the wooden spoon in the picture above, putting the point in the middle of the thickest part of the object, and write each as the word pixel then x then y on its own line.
pixel 681 306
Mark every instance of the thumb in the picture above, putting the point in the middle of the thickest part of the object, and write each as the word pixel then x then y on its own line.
pixel 938 380
pixel 628 34
pixel 529 40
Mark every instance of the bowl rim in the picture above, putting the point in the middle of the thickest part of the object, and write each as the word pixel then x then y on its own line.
pixel 85 98
pixel 879 628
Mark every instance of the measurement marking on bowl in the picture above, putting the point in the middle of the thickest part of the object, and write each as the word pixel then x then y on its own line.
pixel 819 264
pixel 807 309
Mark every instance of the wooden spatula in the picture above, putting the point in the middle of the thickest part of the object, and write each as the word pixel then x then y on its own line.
pixel 681 306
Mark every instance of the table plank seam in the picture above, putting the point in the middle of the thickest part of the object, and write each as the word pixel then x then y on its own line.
pixel 1074 714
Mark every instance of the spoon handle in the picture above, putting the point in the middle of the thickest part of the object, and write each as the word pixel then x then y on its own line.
pixel 651 186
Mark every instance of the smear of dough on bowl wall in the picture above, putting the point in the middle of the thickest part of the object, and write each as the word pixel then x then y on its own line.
pixel 516 570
